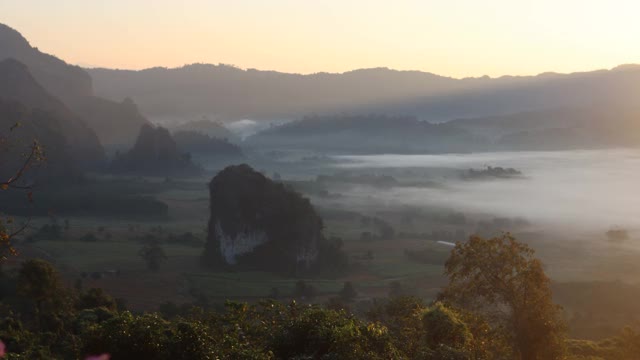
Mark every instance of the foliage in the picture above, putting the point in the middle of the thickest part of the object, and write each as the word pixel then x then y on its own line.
pixel 617 235
pixel 43 320
pixel 625 346
pixel 304 291
pixel 153 254
pixel 186 238
pixel 101 199
pixel 199 143
pixel 446 334
pixel 96 298
pixel 401 315
pixel 14 180
pixel 426 256
pixel 148 336
pixel 47 232
pixel 88 237
pixel 329 334
pixel 348 291
pixel 491 172
pixel 501 279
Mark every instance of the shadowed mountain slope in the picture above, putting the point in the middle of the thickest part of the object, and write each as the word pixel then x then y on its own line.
pixel 115 122
pixel 17 84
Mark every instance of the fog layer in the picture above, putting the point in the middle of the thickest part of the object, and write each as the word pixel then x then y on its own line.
pixel 592 190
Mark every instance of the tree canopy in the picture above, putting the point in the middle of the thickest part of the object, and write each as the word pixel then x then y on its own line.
pixel 501 279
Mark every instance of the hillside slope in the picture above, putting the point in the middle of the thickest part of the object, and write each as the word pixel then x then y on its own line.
pixel 113 121
pixel 17 84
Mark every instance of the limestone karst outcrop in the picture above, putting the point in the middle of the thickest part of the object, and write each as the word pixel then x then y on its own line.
pixel 155 153
pixel 258 223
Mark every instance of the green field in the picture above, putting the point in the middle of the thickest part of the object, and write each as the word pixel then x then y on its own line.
pixel 118 242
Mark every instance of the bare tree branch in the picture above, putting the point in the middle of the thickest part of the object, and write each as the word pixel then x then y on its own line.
pixel 33 155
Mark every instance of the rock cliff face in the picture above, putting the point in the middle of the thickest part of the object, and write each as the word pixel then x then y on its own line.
pixel 258 223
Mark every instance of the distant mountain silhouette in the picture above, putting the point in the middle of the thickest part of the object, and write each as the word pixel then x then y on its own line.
pixel 230 93
pixel 587 127
pixel 367 134
pixel 155 153
pixel 17 85
pixel 550 109
pixel 198 143
pixel 607 88
pixel 113 121
pixel 59 78
pixel 34 124
pixel 207 127
pixel 116 123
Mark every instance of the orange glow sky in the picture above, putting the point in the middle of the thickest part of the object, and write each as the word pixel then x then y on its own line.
pixel 454 37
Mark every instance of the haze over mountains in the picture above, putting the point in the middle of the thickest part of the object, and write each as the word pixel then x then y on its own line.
pixel 229 93
pixel 17 85
pixel 115 122
pixel 548 111
pixel 214 212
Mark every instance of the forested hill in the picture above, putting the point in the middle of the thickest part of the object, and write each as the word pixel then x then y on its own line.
pixel 367 134
pixel 17 85
pixel 230 93
pixel 114 121
pixel 59 78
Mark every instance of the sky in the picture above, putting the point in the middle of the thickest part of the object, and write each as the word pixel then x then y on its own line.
pixel 457 38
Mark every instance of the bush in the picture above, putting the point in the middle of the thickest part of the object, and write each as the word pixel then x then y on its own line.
pixel 88 237
pixel 47 232
pixel 348 292
pixel 304 291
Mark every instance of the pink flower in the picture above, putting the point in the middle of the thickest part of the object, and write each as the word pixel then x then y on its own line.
pixel 3 349
pixel 99 357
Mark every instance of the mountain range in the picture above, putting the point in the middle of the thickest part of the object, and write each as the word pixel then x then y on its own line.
pixel 19 86
pixel 362 110
pixel 114 122
pixel 228 93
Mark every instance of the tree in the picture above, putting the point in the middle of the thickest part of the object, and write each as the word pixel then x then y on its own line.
pixel 95 298
pixel 304 290
pixel 39 282
pixel 447 336
pixel 317 333
pixel 402 317
pixel 395 289
pixel 348 292
pixel 501 279
pixel 34 155
pixel 153 254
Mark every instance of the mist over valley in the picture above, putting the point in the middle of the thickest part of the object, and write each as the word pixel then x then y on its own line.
pixel 213 211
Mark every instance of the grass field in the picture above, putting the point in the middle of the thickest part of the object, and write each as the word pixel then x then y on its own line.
pixel 118 243
pixel 375 264
pixel 182 271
